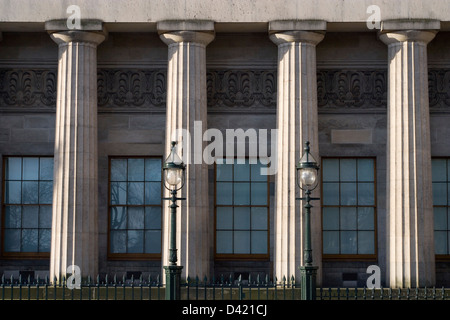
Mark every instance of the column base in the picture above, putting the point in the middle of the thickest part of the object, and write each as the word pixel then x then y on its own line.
pixel 173 281
pixel 308 282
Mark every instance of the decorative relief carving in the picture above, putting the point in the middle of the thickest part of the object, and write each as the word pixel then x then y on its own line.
pixel 237 89
pixel 22 88
pixel 439 89
pixel 131 88
pixel 227 89
pixel 351 90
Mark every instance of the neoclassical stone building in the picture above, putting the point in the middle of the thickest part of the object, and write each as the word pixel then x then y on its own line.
pixel 90 92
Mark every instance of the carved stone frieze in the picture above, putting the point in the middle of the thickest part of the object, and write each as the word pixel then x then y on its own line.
pixel 237 89
pixel 132 89
pixel 351 90
pixel 25 88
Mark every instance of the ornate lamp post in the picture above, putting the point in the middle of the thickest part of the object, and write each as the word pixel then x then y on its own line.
pixel 307 180
pixel 174 178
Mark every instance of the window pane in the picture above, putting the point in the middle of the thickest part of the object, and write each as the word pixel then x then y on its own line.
pixel 241 242
pixel 348 194
pixel 366 195
pixel 13 216
pixel 30 169
pixel 45 217
pixel 224 193
pixel 118 193
pixel 135 241
pixel 348 242
pixel 30 192
pixel 259 242
pixel 348 169
pixel 224 218
pixel 242 218
pixel 366 219
pixel 224 172
pixel 13 169
pixel 118 241
pixel 439 170
pixel 440 242
pixel 365 170
pixel 331 193
pixel 330 218
pixel 153 193
pixel 439 193
pixel 29 240
pixel 46 169
pixel 118 170
pixel 13 192
pixel 242 193
pixel 348 218
pixel 256 172
pixel 12 240
pixel 440 218
pixel 366 242
pixel 135 217
pixel 45 236
pixel 30 217
pixel 153 218
pixel 135 169
pixel 153 241
pixel 153 169
pixel 241 171
pixel 135 193
pixel 259 193
pixel 224 242
pixel 118 218
pixel 330 169
pixel 259 218
pixel 45 192
pixel 331 242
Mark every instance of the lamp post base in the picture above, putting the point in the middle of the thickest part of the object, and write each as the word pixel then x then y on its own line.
pixel 173 281
pixel 308 282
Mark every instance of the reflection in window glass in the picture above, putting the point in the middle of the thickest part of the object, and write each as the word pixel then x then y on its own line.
pixel 28 195
pixel 135 206
pixel 441 205
pixel 241 208
pixel 348 211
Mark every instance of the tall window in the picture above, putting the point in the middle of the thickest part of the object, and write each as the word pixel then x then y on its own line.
pixel 242 210
pixel 348 208
pixel 135 208
pixel 441 202
pixel 27 206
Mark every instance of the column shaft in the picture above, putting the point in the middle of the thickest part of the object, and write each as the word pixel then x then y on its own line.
pixel 297 122
pixel 409 194
pixel 74 222
pixel 186 104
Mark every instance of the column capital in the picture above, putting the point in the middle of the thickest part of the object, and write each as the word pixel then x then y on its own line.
pixel 91 31
pixel 176 31
pixel 311 37
pixel 417 30
pixel 306 31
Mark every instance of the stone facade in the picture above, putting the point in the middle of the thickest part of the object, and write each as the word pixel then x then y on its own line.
pixel 319 75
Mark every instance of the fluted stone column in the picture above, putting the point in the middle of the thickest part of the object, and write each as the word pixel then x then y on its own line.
pixel 75 185
pixel 186 104
pixel 297 122
pixel 411 257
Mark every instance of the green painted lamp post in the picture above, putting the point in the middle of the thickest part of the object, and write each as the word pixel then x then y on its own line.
pixel 307 179
pixel 174 178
